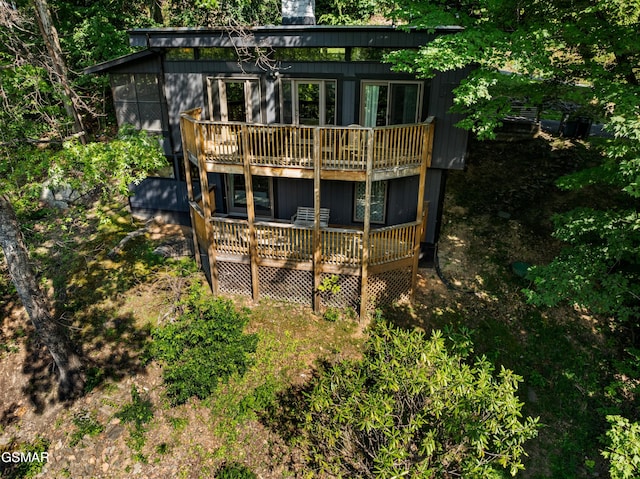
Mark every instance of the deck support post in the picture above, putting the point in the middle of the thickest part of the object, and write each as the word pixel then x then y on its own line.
pixel 422 206
pixel 251 213
pixel 317 234
pixel 185 123
pixel 206 207
pixel 364 274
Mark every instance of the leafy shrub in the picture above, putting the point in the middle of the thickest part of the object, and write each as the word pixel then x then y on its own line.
pixel 234 471
pixel 412 408
pixel 137 413
pixel 86 425
pixel 204 346
pixel 623 451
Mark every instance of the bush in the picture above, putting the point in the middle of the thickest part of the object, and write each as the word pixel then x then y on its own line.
pixel 204 346
pixel 234 471
pixel 623 451
pixel 412 408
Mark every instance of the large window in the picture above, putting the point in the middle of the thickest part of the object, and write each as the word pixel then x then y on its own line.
pixel 138 101
pixel 390 103
pixel 308 102
pixel 235 99
pixel 378 202
pixel 262 195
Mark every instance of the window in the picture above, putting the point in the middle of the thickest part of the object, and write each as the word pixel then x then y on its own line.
pixel 137 101
pixel 310 54
pixel 235 99
pixel 262 194
pixel 308 102
pixel 390 103
pixel 378 202
pixel 176 54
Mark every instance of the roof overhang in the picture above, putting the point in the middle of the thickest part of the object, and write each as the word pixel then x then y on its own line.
pixel 120 61
pixel 286 36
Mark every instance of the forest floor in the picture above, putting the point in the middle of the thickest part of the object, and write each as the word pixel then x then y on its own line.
pixel 497 213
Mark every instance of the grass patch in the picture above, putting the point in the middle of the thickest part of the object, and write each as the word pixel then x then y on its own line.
pixel 136 414
pixel 86 425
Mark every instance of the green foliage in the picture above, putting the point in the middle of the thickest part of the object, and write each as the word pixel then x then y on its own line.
pixel 86 425
pixel 623 449
pixel 203 348
pixel 330 284
pixel 25 469
pixel 572 57
pixel 137 413
pixel 413 408
pixel 212 12
pixel 344 12
pixel 234 471
pixel 112 166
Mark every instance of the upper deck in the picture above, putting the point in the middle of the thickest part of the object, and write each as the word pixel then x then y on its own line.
pixel 350 153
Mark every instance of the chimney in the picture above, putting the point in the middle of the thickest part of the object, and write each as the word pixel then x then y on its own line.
pixel 298 12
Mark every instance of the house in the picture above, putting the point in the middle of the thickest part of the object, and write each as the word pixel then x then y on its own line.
pixel 307 161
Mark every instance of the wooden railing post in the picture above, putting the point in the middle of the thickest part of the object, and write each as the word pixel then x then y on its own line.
pixel 206 207
pixel 422 206
pixel 317 234
pixel 186 146
pixel 364 275
pixel 251 214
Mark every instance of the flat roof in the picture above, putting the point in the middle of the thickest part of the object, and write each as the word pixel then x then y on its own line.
pixel 289 36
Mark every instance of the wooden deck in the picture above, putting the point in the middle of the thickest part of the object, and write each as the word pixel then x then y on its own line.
pixel 394 151
pixel 290 261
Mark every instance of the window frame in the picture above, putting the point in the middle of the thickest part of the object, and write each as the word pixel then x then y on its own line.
pixel 252 88
pixel 389 99
pixel 295 105
pixel 357 198
pixel 242 211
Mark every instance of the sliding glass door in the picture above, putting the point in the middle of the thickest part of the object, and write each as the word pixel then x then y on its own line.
pixel 390 103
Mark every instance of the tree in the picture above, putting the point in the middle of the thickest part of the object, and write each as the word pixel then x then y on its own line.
pixel 36 303
pixel 581 53
pixel 584 54
pixel 110 166
pixel 59 66
pixel 413 407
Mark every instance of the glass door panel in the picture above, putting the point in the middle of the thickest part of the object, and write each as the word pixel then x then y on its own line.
pixel 308 103
pixel 375 104
pixel 262 194
pixel 404 103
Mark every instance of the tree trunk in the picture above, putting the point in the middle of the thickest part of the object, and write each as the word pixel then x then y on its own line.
pixel 51 333
pixel 52 42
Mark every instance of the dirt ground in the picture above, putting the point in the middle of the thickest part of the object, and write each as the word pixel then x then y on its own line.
pixel 482 236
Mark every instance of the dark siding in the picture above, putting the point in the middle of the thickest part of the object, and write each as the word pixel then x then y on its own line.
pixel 291 193
pixel 183 92
pixel 160 194
pixel 450 143
pixel 338 197
pixel 402 196
pixel 434 193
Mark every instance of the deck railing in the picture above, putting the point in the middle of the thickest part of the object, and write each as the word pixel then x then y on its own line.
pixel 339 246
pixel 296 146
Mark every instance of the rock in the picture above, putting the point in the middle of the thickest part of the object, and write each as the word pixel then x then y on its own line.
pixel 115 432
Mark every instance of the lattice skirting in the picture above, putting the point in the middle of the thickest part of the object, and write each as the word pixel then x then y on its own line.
pixel 347 297
pixel 234 278
pixel 389 287
pixel 286 284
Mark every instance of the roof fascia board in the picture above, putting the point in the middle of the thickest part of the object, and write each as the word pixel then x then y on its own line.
pixel 120 61
pixel 284 37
